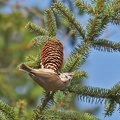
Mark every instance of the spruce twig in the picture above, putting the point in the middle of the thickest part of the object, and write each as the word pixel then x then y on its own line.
pixel 39 109
pixel 61 102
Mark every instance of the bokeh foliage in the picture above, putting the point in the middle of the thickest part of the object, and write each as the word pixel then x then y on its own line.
pixel 14 46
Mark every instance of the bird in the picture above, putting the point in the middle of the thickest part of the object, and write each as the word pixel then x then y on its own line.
pixel 47 78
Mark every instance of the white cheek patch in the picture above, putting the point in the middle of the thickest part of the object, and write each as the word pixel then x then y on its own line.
pixel 64 79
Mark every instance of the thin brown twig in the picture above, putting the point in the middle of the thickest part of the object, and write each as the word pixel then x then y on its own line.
pixel 85 6
pixel 7 69
pixel 70 33
pixel 77 58
pixel 107 15
pixel 39 109
pixel 95 20
pixel 81 52
pixel 116 18
pixel 71 20
pixel 6 3
pixel 32 10
pixel 61 103
pixel 20 109
pixel 109 107
pixel 108 45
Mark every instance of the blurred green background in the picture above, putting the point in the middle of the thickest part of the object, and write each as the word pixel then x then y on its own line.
pixel 14 46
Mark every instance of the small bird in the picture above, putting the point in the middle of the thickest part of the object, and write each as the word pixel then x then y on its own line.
pixel 47 78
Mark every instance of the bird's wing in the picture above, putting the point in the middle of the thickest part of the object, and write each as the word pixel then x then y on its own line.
pixel 45 75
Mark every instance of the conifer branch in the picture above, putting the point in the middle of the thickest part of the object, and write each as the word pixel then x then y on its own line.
pixel 8 111
pixel 50 22
pixel 94 23
pixel 90 91
pixel 80 74
pixel 90 35
pixel 66 115
pixel 86 7
pixel 117 10
pixel 39 109
pixel 116 18
pixel 2 116
pixel 74 63
pixel 106 45
pixel 95 92
pixel 61 102
pixel 36 29
pixel 115 3
pixel 77 57
pixel 80 55
pixel 111 12
pixel 100 4
pixel 110 107
pixel 65 11
pixel 39 41
pixel 20 106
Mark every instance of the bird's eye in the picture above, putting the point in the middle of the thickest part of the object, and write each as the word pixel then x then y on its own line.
pixel 66 76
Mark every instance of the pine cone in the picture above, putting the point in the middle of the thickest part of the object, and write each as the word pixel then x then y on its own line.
pixel 52 55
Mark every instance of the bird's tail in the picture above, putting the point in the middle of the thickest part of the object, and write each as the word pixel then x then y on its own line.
pixel 25 68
